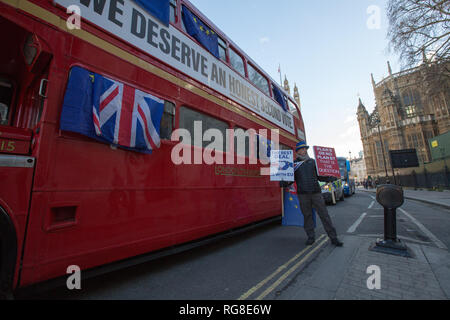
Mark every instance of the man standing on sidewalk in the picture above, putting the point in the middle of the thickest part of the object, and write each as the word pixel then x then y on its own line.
pixel 309 195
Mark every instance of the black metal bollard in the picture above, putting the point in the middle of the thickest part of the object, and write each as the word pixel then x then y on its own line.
pixel 390 197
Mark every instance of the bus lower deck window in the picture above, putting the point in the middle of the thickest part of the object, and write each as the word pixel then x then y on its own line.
pixel 188 117
pixel 167 121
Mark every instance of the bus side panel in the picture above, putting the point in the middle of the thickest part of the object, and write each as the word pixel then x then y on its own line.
pixel 99 205
pixel 107 226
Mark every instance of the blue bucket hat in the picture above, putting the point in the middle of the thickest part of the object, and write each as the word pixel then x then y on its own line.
pixel 301 144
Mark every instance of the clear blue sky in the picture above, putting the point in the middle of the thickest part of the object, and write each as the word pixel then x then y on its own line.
pixel 324 46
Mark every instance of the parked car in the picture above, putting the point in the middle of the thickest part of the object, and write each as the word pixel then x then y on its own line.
pixel 333 190
pixel 349 187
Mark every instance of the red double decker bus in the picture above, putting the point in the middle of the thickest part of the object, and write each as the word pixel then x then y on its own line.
pixel 68 199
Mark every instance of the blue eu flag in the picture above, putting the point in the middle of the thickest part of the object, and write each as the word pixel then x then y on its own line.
pixel 203 34
pixel 279 96
pixel 265 146
pixel 292 214
pixel 76 114
pixel 158 8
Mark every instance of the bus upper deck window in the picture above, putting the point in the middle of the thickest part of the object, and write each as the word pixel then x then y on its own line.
pixel 173 11
pixel 222 50
pixel 237 62
pixel 258 79
pixel 293 109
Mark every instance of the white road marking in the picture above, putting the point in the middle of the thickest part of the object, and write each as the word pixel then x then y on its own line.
pixel 371 204
pixel 357 223
pixel 427 232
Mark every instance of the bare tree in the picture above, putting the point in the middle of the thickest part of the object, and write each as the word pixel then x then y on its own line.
pixel 419 30
pixel 418 27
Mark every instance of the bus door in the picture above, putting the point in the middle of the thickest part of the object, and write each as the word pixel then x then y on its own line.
pixel 23 74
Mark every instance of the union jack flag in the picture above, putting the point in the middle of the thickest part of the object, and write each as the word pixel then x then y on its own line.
pixel 126 116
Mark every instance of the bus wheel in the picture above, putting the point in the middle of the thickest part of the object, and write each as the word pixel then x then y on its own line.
pixel 8 254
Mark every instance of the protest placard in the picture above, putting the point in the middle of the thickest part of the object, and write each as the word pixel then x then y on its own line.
pixel 326 162
pixel 281 165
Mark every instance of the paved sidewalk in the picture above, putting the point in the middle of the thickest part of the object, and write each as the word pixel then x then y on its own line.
pixel 432 197
pixel 342 274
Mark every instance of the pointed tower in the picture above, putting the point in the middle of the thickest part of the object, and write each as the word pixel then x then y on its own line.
pixel 426 75
pixel 374 85
pixel 297 96
pixel 364 128
pixel 393 83
pixel 363 120
pixel 424 57
pixel 286 86
pixel 389 68
pixel 390 118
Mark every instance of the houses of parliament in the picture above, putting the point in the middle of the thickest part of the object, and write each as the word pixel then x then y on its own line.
pixel 411 108
pixel 288 90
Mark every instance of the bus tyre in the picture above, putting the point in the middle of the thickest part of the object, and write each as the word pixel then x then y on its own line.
pixel 8 254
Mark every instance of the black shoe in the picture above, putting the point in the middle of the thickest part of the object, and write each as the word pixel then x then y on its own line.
pixel 337 243
pixel 310 241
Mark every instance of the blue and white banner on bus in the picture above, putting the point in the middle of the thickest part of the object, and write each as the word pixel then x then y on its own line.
pixel 130 22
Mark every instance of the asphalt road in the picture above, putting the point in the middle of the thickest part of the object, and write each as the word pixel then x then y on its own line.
pixel 235 268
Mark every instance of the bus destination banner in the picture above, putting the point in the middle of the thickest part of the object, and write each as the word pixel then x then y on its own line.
pixel 326 162
pixel 135 25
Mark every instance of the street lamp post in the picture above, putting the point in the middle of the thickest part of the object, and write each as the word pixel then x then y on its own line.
pixel 382 149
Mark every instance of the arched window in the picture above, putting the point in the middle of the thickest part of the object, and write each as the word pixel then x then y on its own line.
pixel 411 102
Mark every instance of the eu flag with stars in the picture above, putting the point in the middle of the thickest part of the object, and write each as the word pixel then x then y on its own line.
pixel 292 214
pixel 265 147
pixel 203 34
pixel 279 96
pixel 158 8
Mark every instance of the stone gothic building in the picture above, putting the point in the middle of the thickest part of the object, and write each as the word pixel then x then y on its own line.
pixel 410 109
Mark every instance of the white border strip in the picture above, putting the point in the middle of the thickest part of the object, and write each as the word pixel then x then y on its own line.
pixel 13 161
